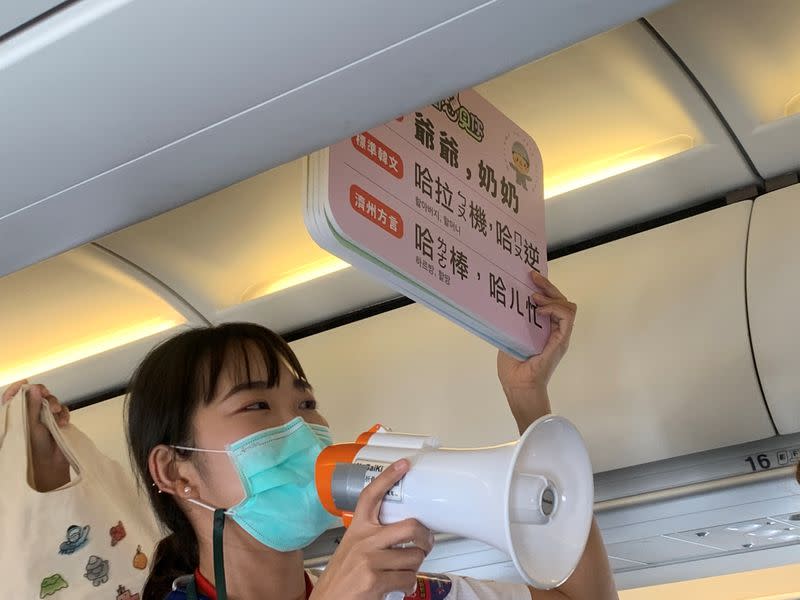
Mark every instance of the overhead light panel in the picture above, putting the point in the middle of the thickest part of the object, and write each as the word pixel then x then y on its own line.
pixel 304 274
pixel 583 175
pixel 73 353
pixel 793 106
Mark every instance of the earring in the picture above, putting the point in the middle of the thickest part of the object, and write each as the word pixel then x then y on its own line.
pixel 187 490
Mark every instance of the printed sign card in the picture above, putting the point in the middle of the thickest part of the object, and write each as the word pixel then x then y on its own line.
pixel 445 205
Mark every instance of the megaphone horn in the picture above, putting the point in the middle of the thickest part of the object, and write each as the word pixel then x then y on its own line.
pixel 531 499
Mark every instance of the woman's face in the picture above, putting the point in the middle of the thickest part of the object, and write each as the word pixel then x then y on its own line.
pixel 240 408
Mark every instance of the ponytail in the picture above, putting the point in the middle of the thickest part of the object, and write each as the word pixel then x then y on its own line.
pixel 173 558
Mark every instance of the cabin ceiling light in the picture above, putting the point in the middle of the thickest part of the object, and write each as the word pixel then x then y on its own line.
pixel 583 175
pixel 31 366
pixel 295 277
pixel 793 106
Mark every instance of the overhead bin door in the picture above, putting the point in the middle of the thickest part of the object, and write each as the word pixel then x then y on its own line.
pixel 773 294
pixel 660 364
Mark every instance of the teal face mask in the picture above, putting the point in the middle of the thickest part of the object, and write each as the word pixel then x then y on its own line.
pixel 281 507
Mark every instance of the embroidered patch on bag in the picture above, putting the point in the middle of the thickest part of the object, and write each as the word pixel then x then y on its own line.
pixel 140 559
pixel 117 533
pixel 96 570
pixel 431 587
pixel 52 584
pixel 124 593
pixel 77 538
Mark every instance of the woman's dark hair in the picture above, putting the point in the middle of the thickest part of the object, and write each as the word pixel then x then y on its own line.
pixel 173 380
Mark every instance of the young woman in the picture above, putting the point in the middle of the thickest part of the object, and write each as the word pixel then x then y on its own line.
pixel 225 418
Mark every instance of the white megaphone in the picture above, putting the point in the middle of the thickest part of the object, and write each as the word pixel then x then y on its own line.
pixel 531 499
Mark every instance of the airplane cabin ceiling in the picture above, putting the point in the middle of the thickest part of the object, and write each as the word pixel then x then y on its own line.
pixel 625 136
pixel 119 110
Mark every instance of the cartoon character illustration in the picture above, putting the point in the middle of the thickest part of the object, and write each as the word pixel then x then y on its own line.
pixel 124 593
pixel 140 559
pixel 521 164
pixel 96 570
pixel 52 584
pixel 77 538
pixel 117 533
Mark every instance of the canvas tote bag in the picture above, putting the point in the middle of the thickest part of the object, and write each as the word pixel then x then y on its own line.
pixel 91 538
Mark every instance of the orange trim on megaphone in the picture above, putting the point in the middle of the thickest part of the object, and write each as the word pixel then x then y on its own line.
pixel 364 438
pixel 326 465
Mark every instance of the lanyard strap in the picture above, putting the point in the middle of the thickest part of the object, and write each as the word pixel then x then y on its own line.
pixel 219 559
pixel 191 589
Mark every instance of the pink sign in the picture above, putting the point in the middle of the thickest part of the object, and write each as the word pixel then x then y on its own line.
pixel 451 197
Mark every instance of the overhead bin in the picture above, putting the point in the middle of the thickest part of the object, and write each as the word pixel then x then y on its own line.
pixel 660 350
pixel 624 134
pixel 747 56
pixel 660 362
pixel 119 110
pixel 773 295
pixel 660 353
pixel 70 321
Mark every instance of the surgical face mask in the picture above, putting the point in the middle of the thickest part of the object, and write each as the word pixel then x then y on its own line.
pixel 281 507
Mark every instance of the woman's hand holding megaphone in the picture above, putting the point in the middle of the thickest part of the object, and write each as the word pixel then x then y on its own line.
pixel 368 563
